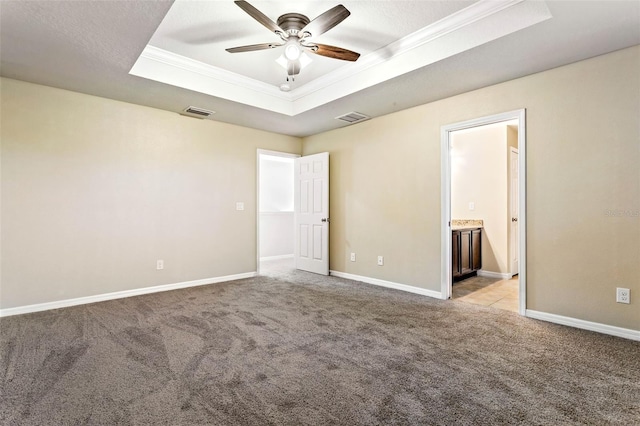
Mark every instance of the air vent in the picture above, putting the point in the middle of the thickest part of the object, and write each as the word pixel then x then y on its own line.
pixel 353 117
pixel 197 112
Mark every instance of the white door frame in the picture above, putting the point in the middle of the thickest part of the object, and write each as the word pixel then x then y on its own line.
pixel 445 150
pixel 258 154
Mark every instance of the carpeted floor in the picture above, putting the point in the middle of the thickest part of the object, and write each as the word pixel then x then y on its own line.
pixel 292 348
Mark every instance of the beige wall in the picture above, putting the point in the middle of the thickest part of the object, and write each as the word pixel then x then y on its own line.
pixel 479 175
pixel 94 191
pixel 583 151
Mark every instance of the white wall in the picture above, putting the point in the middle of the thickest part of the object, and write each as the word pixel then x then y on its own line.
pixel 479 176
pixel 276 206
pixel 276 183
pixel 276 234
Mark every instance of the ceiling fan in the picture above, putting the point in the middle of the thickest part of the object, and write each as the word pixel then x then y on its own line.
pixel 295 31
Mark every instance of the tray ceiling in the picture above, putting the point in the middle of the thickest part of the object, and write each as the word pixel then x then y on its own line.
pixel 188 48
pixel 203 30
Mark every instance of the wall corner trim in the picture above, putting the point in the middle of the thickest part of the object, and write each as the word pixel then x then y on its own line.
pixel 388 284
pixel 626 333
pixel 119 295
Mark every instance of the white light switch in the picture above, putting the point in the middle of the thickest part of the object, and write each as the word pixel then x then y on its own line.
pixel 239 206
pixel 472 205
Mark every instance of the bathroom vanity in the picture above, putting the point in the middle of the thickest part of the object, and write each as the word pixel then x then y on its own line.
pixel 466 245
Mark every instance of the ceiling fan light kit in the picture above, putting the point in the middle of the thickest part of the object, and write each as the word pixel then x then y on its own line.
pixel 292 50
pixel 295 30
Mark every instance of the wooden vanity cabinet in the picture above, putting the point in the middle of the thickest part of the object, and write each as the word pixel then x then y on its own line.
pixel 466 256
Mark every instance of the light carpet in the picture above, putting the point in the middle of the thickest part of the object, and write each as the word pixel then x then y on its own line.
pixel 296 348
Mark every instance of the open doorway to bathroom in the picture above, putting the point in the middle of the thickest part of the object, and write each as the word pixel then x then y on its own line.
pixel 484 217
pixel 275 211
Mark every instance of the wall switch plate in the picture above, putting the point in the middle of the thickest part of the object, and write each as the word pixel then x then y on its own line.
pixel 380 260
pixel 353 257
pixel 239 206
pixel 623 295
pixel 159 264
pixel 472 205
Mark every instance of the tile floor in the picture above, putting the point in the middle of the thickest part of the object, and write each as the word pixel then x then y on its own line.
pixel 501 294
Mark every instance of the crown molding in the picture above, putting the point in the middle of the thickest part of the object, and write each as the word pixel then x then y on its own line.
pixel 481 23
pixel 177 70
pixel 160 55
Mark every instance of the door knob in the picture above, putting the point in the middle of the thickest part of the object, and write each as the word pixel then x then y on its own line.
pixel 514 219
pixel 325 219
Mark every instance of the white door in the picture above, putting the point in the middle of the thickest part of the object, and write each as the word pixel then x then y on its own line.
pixel 513 209
pixel 311 199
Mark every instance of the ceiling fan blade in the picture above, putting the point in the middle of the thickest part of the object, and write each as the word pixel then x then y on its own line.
pixel 335 52
pixel 252 47
pixel 326 21
pixel 259 16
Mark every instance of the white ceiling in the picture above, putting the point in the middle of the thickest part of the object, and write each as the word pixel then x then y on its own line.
pixel 91 47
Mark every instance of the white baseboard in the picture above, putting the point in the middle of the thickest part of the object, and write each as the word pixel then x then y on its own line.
pixel 500 275
pixel 627 333
pixel 388 284
pixel 282 256
pixel 119 295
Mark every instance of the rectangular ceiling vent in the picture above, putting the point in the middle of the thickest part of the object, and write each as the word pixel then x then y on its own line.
pixel 197 112
pixel 353 117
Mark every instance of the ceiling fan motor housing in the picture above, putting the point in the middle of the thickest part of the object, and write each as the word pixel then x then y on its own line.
pixel 292 23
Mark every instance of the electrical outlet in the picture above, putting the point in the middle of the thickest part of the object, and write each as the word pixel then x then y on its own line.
pixel 623 295
pixel 380 260
pixel 472 205
pixel 159 264
pixel 353 257
pixel 239 205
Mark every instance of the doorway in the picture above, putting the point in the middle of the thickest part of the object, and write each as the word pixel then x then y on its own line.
pixel 292 212
pixel 275 215
pixel 483 199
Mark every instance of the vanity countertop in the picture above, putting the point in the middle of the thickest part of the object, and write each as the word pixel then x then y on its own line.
pixel 462 224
